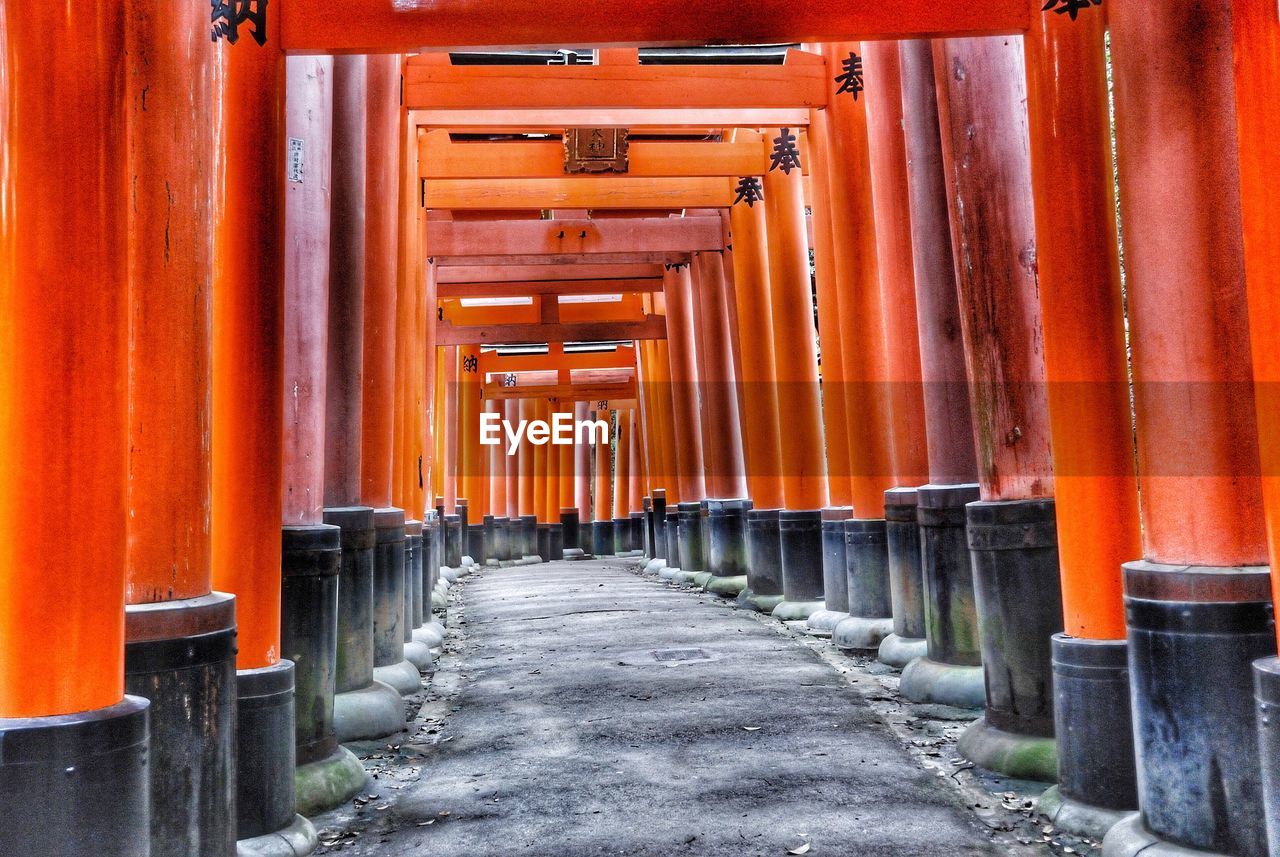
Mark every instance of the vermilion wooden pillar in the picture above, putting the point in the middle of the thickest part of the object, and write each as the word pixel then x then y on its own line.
pixel 171 161
pixel 1011 532
pixel 468 395
pixel 382 185
pixel 511 413
pixel 622 477
pixel 682 344
pixel 448 445
pixel 718 384
pixel 63 435
pixel 804 476
pixel 951 670
pixel 1089 417
pixel 1256 34
pixel 602 499
pixel 497 468
pixel 1204 540
pixel 664 418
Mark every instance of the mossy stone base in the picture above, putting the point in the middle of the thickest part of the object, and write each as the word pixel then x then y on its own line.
pixel 1076 817
pixel 702 578
pixel 1024 757
pixel 329 783
pixel 763 603
pixel 898 651
pixel 369 713
pixel 928 681
pixel 449 575
pixel 432 634
pixel 685 578
pixel 861 635
pixel 419 654
pixel 653 566
pixel 796 611
pixel 668 572
pixel 1130 837
pixel 822 623
pixel 297 840
pixel 403 676
pixel 727 587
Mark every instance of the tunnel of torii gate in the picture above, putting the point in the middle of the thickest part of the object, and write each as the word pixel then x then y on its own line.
pixel 315 311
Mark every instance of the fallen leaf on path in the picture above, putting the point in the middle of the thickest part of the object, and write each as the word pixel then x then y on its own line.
pixel 803 849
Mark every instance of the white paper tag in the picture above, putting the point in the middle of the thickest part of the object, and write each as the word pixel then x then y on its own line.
pixel 295 160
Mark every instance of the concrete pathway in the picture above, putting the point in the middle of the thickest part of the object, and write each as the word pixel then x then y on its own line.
pixel 598 712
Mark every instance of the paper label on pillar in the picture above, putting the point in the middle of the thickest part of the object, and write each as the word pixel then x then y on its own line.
pixel 295 160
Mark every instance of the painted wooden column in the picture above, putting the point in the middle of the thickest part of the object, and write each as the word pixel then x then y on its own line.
pixel 1095 485
pixel 804 475
pixel 653 372
pixel 622 477
pixel 377 417
pixel 567 498
pixel 449 419
pixel 171 159
pixel 950 672
pixel 602 500
pixel 511 413
pixel 528 507
pixel 470 485
pixel 1204 539
pixel 64 428
pixel 1256 35
pixel 687 416
pixel 1011 530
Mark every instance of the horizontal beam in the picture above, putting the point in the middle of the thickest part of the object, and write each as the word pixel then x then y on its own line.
pixel 455 239
pixel 623 357
pixel 636 118
pixel 653 327
pixel 563 392
pixel 569 258
pixel 435 86
pixel 545 273
pixel 439 158
pixel 405 26
pixel 590 193
pixel 548 287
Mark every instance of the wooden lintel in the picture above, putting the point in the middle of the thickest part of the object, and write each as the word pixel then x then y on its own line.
pixel 569 258
pixel 588 193
pixel 563 392
pixel 552 287
pixel 653 327
pixel 545 273
pixel 451 240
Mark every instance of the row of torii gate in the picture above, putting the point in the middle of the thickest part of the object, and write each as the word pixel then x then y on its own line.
pixel 220 270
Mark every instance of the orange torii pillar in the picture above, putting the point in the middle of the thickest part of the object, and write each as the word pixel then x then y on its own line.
pixel 541 477
pixel 569 529
pixel 686 422
pixel 470 467
pixel 551 490
pixel 622 477
pixel 951 670
pixel 525 526
pixel 180 650
pixel 575 537
pixel 759 403
pixel 651 396
pixel 854 223
pixel 1198 603
pixel 655 368
pixel 804 475
pixel 727 505
pixel 511 413
pixel 835 389
pixel 363 707
pixel 1095 481
pixel 498 527
pixel 602 541
pixel 71 735
pixel 447 448
pixel 328 774
pixel 1257 63
pixel 903 394
pixel 635 494
pixel 377 406
pixel 1011 530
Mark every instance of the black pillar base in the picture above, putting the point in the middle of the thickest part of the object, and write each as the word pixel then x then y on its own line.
pixel 489 554
pixel 727 535
pixel 181 656
pixel 77 785
pixel 672 528
pixel 906 580
pixel 555 543
pixel 527 530
pixel 475 543
pixel 1194 633
pixel 1266 693
pixel 265 797
pixel 571 532
pixel 1097 774
pixel 835 577
pixel 602 543
pixel 413 550
pixel 866 546
pixel 501 548
pixel 764 561
pixel 800 533
pixel 951 672
pixel 544 542
pixel 621 536
pixel 1018 593
pixel 452 541
pixel 660 550
pixel 637 532
pixel 689 534
pixel 389 664
pixel 415 652
pixel 646 527
pixel 463 511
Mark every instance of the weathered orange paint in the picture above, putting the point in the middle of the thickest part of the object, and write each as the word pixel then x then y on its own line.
pixel 984 143
pixel 1256 32
pixel 582 467
pixel 835 415
pixel 602 508
pixel 635 467
pixel 170 92
pixel 720 416
pixel 686 416
pixel 758 379
pixel 369 26
pixel 528 500
pixel 541 499
pixel 1081 302
pixel 514 237
pixel 381 217
pixel 449 447
pixel 804 474
pixel 904 396
pixel 497 468
pixel 581 192
pixel 63 363
pixel 470 467
pixel 309 118
pixel 248 349
pixel 1176 141
pixel 622 464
